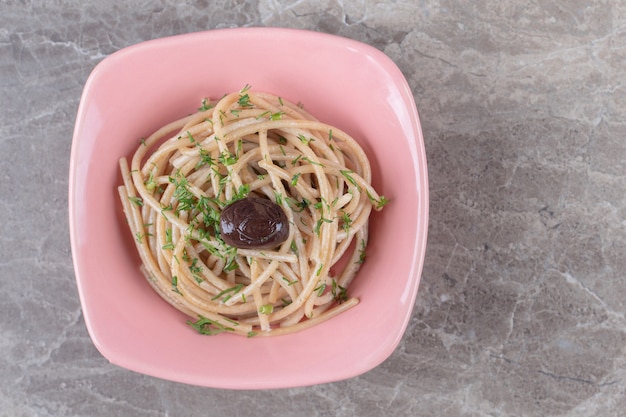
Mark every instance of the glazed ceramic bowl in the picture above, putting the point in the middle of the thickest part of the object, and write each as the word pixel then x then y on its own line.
pixel 342 82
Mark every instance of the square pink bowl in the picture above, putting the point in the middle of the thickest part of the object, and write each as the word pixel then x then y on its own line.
pixel 343 82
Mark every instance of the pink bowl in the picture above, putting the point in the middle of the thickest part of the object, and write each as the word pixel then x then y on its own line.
pixel 342 82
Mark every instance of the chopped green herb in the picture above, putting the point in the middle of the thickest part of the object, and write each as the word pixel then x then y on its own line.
pixel 233 322
pixel 228 292
pixel 380 203
pixel 244 100
pixel 348 175
pixel 296 159
pixel 196 270
pixel 277 115
pixel 361 252
pixel 227 158
pixel 185 197
pixel 312 162
pixel 303 205
pixel 208 327
pixel 289 282
pixel 169 245
pixel 265 113
pixel 205 105
pixel 320 289
pixel 347 221
pixel 266 309
pixel 210 215
pixel 340 294
pixel 294 247
pixel 279 198
pixel 304 139
pixel 242 191
pixel 175 285
pixel 205 159
pixel 150 183
pixel 229 256
pixel 136 201
pixel 169 207
pixel 319 223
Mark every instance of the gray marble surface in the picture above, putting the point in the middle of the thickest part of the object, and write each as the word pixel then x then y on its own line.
pixel 521 310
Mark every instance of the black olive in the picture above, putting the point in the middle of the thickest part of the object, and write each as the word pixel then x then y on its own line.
pixel 254 223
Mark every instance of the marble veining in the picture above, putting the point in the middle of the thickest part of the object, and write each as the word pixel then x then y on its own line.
pixel 521 310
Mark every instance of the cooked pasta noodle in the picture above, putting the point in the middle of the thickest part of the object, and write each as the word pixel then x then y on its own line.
pixel 250 144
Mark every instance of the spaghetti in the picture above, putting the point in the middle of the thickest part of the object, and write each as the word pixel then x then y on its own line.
pixel 250 144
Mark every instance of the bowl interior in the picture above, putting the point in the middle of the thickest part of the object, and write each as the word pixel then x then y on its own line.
pixel 342 82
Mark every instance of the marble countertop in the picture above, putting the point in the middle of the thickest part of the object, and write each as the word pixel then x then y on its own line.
pixel 521 309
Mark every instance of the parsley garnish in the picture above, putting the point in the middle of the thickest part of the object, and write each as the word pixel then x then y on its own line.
pixel 208 327
pixel 244 100
pixel 227 158
pixel 361 252
pixel 348 175
pixel 175 285
pixel 169 245
pixel 304 139
pixel 150 183
pixel 340 294
pixel 296 159
pixel 318 225
pixel 302 205
pixel 312 162
pixel 277 115
pixel 347 221
pixel 228 293
pixel 380 203
pixel 136 201
pixel 182 193
pixel 196 270
pixel 320 289
pixel 205 105
pixel 289 282
pixel 266 309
